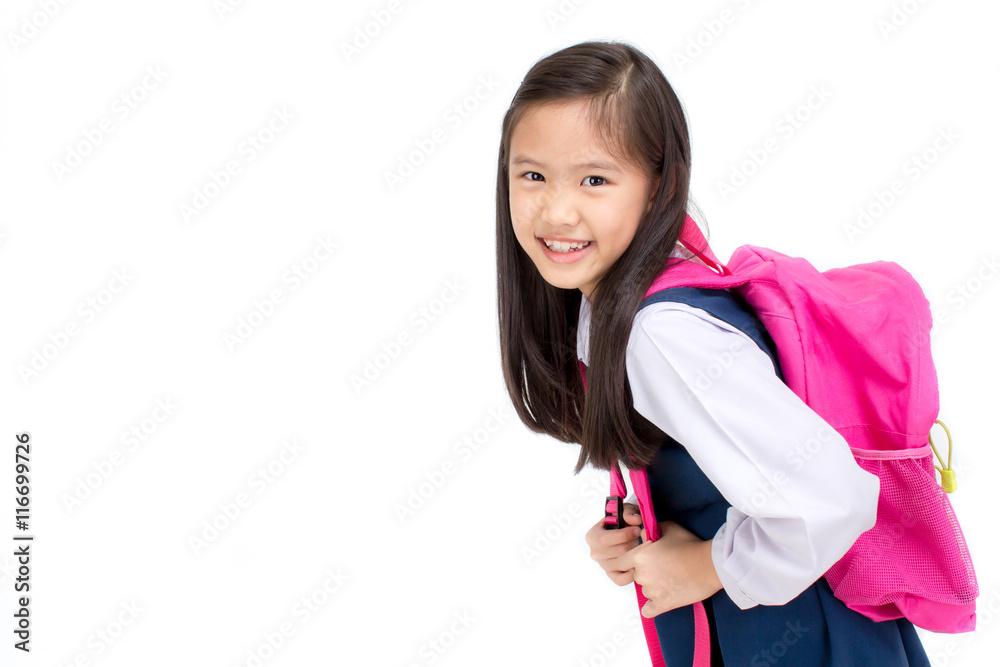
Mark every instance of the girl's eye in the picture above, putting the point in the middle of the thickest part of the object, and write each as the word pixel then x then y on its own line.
pixel 532 174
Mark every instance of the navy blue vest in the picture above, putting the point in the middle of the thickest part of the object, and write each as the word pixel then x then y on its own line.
pixel 814 629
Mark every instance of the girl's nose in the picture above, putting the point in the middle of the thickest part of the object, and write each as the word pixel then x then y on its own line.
pixel 559 206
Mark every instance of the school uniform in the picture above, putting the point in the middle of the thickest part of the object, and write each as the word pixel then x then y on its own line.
pixel 745 463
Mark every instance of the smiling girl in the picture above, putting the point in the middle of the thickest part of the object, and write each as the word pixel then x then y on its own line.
pixel 592 199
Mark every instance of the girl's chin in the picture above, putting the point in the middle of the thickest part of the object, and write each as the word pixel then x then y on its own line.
pixel 561 281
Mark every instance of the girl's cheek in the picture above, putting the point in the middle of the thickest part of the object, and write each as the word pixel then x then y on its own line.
pixel 523 204
pixel 521 226
pixel 522 212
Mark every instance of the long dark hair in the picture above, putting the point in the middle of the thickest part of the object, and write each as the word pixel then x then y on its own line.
pixel 638 117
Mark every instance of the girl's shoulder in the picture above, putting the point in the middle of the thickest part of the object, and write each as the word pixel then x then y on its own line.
pixel 678 319
pixel 688 335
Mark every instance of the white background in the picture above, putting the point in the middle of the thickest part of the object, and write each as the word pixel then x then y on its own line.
pixel 364 452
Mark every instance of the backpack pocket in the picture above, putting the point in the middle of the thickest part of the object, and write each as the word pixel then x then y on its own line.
pixel 914 562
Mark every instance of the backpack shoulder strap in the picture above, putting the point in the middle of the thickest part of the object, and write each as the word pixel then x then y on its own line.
pixel 726 306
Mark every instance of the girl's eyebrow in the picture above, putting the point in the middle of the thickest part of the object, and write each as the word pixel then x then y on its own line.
pixel 593 164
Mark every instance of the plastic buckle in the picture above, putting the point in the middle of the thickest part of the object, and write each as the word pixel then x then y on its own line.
pixel 620 514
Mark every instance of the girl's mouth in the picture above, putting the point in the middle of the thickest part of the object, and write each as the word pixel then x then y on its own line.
pixel 562 254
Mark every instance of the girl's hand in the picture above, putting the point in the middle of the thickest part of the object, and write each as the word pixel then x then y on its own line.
pixel 608 545
pixel 674 571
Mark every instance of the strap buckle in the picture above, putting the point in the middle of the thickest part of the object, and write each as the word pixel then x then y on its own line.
pixel 618 515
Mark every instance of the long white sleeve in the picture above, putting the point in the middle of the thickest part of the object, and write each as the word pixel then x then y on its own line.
pixel 799 500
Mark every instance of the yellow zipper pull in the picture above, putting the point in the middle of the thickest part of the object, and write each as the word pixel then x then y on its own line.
pixel 948 481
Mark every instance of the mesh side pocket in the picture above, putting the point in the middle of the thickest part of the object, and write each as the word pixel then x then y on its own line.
pixel 916 548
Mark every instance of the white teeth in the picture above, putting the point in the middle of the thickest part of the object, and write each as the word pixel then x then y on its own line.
pixel 564 246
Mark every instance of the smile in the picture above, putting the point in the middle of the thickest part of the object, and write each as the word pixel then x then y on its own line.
pixel 561 252
pixel 566 246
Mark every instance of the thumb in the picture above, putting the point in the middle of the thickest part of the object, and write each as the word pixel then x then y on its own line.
pixel 649 610
pixel 632 515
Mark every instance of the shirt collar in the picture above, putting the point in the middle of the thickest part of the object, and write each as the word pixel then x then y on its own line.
pixel 583 330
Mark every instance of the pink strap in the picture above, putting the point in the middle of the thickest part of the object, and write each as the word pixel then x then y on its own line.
pixel 692 239
pixel 649 629
pixel 640 482
pixel 618 484
pixel 702 643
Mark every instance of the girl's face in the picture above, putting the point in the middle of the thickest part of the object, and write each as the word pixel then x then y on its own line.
pixel 564 187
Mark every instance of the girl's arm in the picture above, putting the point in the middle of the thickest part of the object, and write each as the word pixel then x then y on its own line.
pixel 799 500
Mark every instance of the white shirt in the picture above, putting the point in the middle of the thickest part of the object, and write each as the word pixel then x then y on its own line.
pixel 799 500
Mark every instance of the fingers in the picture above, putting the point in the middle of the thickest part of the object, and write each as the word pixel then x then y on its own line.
pixel 610 557
pixel 625 561
pixel 593 534
pixel 632 518
pixel 598 536
pixel 621 536
pixel 632 515
pixel 608 546
pixel 605 554
pixel 622 578
pixel 619 550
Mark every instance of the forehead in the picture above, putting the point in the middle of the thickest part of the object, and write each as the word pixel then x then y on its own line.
pixel 561 134
pixel 560 126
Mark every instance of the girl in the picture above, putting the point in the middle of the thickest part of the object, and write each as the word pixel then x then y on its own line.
pixel 592 198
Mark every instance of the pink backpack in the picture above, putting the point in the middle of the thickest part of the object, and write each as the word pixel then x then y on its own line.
pixel 832 329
